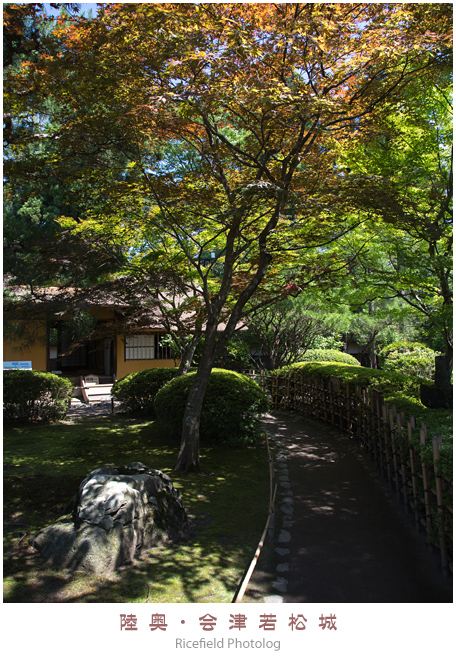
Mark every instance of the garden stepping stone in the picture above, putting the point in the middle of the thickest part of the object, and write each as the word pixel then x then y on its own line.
pixel 284 536
pixel 280 584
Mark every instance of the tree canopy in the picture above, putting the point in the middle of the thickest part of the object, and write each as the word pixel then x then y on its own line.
pixel 403 178
pixel 206 136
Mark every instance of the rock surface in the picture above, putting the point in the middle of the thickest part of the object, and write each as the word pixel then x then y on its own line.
pixel 119 512
pixel 436 397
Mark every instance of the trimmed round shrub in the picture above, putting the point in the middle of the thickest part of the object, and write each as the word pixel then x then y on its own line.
pixel 231 408
pixel 408 357
pixel 328 355
pixel 35 396
pixel 137 391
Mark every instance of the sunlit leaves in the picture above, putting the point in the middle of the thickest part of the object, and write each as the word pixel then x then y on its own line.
pixel 210 133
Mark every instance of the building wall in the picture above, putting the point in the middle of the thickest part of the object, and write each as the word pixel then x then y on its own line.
pixel 36 352
pixel 125 367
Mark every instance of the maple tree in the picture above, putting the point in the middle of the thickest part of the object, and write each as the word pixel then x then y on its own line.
pixel 36 193
pixel 403 180
pixel 251 97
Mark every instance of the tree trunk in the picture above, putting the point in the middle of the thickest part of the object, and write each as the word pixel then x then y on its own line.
pixel 187 356
pixel 188 458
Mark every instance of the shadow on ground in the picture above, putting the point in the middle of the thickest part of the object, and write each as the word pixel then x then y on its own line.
pixel 349 540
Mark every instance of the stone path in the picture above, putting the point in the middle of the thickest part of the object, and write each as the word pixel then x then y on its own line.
pixel 339 536
pixel 79 409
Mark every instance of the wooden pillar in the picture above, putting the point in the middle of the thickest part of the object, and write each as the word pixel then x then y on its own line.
pixel 427 505
pixel 410 428
pixel 439 492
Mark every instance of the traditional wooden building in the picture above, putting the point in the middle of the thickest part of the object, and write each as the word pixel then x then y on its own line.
pixel 40 336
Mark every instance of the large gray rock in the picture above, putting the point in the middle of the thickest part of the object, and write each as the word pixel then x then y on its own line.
pixel 119 512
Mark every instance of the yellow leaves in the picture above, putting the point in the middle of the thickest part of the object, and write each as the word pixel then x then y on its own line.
pixel 67 223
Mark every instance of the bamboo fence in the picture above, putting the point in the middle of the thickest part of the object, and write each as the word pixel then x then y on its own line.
pixel 386 437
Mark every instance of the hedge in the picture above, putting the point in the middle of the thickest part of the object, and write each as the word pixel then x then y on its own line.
pixel 328 355
pixel 407 357
pixel 231 408
pixel 35 396
pixel 137 391
pixel 388 382
pixel 397 389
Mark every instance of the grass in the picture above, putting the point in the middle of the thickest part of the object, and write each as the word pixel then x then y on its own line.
pixel 227 507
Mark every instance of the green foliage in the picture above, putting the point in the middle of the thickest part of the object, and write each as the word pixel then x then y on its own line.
pixel 328 355
pixel 137 391
pixel 390 383
pixel 236 355
pixel 285 330
pixel 397 389
pixel 439 421
pixel 35 396
pixel 230 411
pixel 410 358
pixel 329 342
pixel 402 177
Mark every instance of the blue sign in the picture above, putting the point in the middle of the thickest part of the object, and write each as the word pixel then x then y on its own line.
pixel 24 364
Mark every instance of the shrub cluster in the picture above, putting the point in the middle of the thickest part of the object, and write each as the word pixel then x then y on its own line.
pixel 35 396
pixel 137 391
pixel 328 355
pixel 397 389
pixel 388 382
pixel 410 358
pixel 231 408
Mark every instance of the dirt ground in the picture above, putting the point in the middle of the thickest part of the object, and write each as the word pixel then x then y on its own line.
pixel 339 534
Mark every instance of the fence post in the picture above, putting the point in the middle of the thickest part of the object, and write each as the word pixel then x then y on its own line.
pixel 317 401
pixel 394 449
pixel 400 418
pixel 322 395
pixel 385 415
pixel 314 403
pixel 358 416
pixel 373 425
pixel 336 383
pixel 410 428
pixel 427 505
pixel 263 380
pixel 438 486
pixel 378 405
pixel 348 404
pixel 331 401
pixel 366 441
